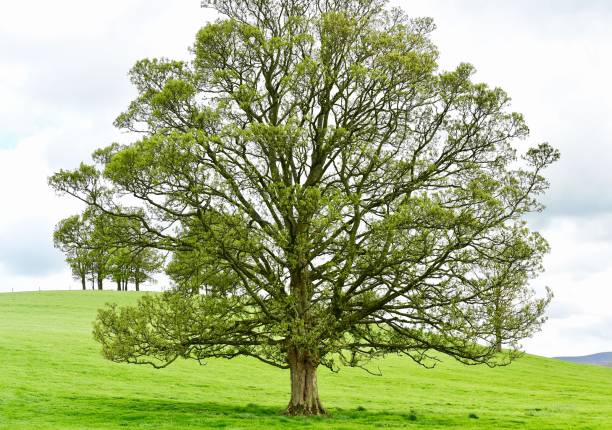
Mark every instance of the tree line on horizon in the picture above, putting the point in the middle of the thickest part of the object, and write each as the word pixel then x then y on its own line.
pixel 96 251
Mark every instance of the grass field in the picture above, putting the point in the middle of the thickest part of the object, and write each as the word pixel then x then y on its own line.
pixel 52 376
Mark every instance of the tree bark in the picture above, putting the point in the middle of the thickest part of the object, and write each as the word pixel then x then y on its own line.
pixel 304 390
pixel 83 282
pixel 137 285
pixel 118 285
pixel 100 280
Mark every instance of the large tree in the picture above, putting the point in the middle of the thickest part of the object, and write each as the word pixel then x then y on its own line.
pixel 350 195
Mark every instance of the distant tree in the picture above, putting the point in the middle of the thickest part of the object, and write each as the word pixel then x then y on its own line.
pixel 100 260
pixel 69 236
pixel 100 249
pixel 128 260
pixel 119 267
pixel 95 250
pixel 143 264
pixel 353 195
pixel 148 263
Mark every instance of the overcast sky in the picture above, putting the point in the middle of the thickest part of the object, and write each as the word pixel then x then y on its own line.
pixel 63 79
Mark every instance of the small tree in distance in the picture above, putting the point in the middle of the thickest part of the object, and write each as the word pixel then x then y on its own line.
pixel 95 249
pixel 119 268
pixel 80 238
pixel 340 196
pixel 69 236
pixel 143 263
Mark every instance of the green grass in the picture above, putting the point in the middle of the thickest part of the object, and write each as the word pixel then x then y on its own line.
pixel 52 376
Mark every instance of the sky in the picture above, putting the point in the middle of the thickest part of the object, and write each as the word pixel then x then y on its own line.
pixel 63 80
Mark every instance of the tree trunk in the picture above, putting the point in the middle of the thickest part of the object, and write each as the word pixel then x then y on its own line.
pixel 83 282
pixel 100 280
pixel 118 285
pixel 137 285
pixel 304 391
pixel 498 340
pixel 498 337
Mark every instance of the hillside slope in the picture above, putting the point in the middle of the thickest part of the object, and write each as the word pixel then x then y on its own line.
pixel 53 377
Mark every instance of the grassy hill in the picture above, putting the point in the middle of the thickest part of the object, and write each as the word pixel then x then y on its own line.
pixel 53 377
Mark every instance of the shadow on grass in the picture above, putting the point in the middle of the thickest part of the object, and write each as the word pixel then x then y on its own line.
pixel 117 412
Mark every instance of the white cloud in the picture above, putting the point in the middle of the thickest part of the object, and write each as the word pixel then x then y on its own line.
pixel 30 211
pixel 552 57
pixel 579 271
pixel 63 80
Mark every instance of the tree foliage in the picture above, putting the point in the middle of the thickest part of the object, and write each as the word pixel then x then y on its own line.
pixel 337 196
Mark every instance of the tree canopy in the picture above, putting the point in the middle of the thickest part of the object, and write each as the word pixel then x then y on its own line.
pixel 328 195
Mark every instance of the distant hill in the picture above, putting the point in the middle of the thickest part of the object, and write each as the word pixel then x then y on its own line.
pixel 601 359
